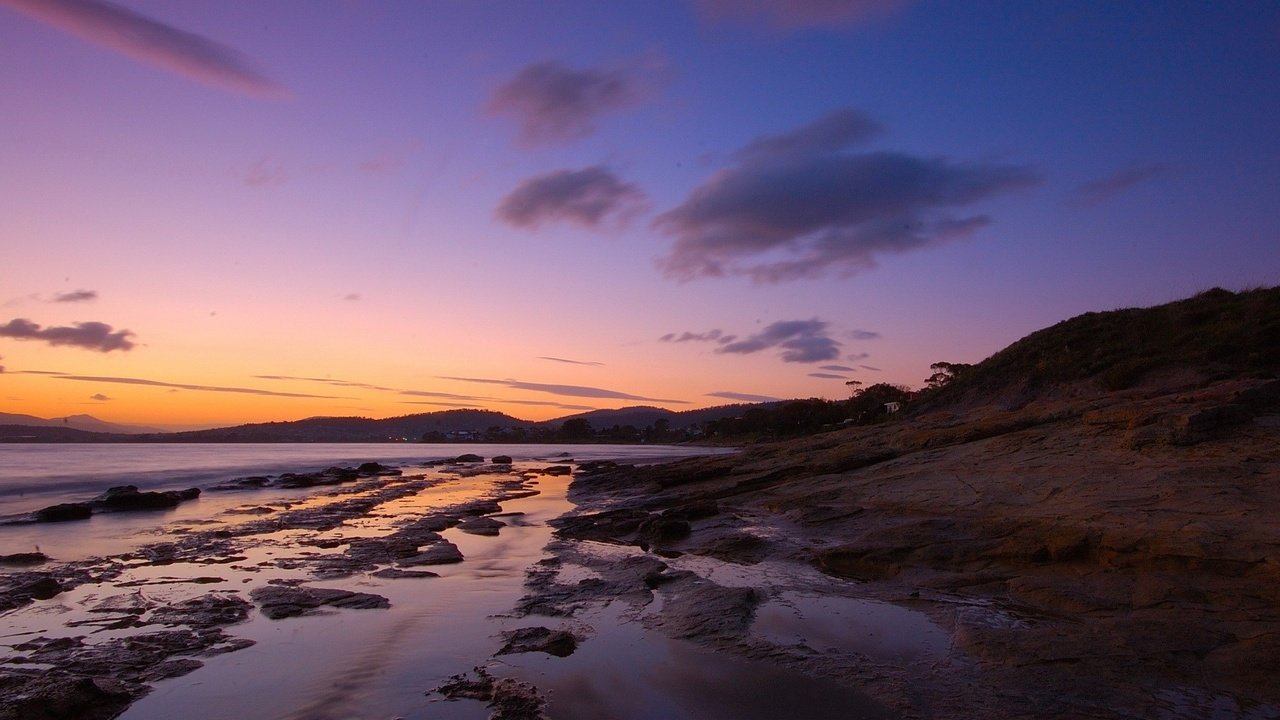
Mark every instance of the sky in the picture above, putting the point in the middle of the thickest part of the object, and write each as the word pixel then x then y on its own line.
pixel 224 212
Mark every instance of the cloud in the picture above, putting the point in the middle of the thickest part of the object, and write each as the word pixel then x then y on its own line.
pixel 709 336
pixel 863 335
pixel 857 356
pixel 837 368
pixel 568 390
pixel 589 197
pixel 828 376
pixel 1 366
pixel 833 132
pixel 76 296
pixel 200 388
pixel 555 103
pixel 1103 189
pixel 742 397
pixel 794 206
pixel 327 381
pixel 265 171
pixel 562 406
pixel 99 397
pixel 868 367
pixel 802 341
pixel 795 14
pixel 88 335
pixel 151 42
pixel 450 396
pixel 391 159
pixel 572 362
pixel 351 297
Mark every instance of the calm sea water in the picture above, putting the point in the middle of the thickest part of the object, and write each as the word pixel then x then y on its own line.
pixel 33 476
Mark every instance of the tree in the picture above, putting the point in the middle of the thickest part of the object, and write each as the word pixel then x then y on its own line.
pixel 944 373
pixel 576 429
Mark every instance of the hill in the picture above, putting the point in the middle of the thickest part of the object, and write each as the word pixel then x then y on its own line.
pixel 86 423
pixel 1087 516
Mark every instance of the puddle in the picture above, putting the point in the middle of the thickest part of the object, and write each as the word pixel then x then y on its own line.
pixel 879 630
pixel 627 673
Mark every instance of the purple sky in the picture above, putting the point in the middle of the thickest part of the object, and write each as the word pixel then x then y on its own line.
pixel 233 211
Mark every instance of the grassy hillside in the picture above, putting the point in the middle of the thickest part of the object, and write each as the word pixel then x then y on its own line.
pixel 1215 335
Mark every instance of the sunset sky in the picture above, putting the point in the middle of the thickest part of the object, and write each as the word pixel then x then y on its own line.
pixel 235 211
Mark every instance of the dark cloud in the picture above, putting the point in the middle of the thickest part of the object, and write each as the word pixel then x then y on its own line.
pixel 99 397
pixel 801 341
pixel 742 397
pixel 76 296
pixel 88 335
pixel 589 197
pixel 794 206
pixel 708 336
pixel 327 381
pixel 568 390
pixel 857 356
pixel 863 335
pixel 868 367
pixel 836 368
pixel 199 388
pixel 151 42
pixel 831 133
pixel 1103 189
pixel 572 362
pixel 555 103
pixel 829 376
pixel 796 14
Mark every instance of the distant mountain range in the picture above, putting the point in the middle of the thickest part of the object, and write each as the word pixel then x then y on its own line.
pixel 87 423
pixel 444 425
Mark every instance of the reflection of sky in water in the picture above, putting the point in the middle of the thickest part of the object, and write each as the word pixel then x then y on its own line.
pixel 877 629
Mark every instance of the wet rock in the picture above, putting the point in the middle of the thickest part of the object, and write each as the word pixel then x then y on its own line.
pixel 245 483
pixel 126 498
pixel 560 643
pixel 556 470
pixel 660 530
pixel 282 601
pixel 696 608
pixel 28 558
pixel 468 458
pixel 442 553
pixel 58 696
pixel 481 526
pixel 373 468
pixel 508 699
pixel 397 574
pixel 64 512
pixel 206 611
pixel 39 588
pixel 501 460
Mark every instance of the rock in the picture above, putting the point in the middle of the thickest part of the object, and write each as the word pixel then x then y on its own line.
pixel 508 699
pixel 501 460
pixel 468 458
pixel 481 526
pixel 441 553
pixel 58 696
pixel 560 643
pixel 244 483
pixel 556 470
pixel 206 611
pixel 127 498
pixel 696 608
pixel 397 573
pixel 282 601
pixel 64 512
pixel 373 468
pixel 41 589
pixel 660 530
pixel 28 558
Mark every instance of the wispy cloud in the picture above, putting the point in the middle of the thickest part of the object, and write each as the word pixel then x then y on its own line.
pixel 75 296
pixel 708 336
pixel 828 376
pixel 1103 189
pixel 99 397
pixel 592 197
pixel 863 335
pixel 742 397
pixel 561 406
pixel 836 368
pixel 391 159
pixel 797 206
pixel 351 297
pixel 198 388
pixel 555 103
pixel 796 14
pixel 567 390
pixel 327 381
pixel 152 42
pixel 88 335
pixel 265 171
pixel 448 396
pixel 868 367
pixel 801 341
pixel 592 363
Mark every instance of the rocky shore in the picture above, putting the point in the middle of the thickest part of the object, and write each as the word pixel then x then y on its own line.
pixel 1115 555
